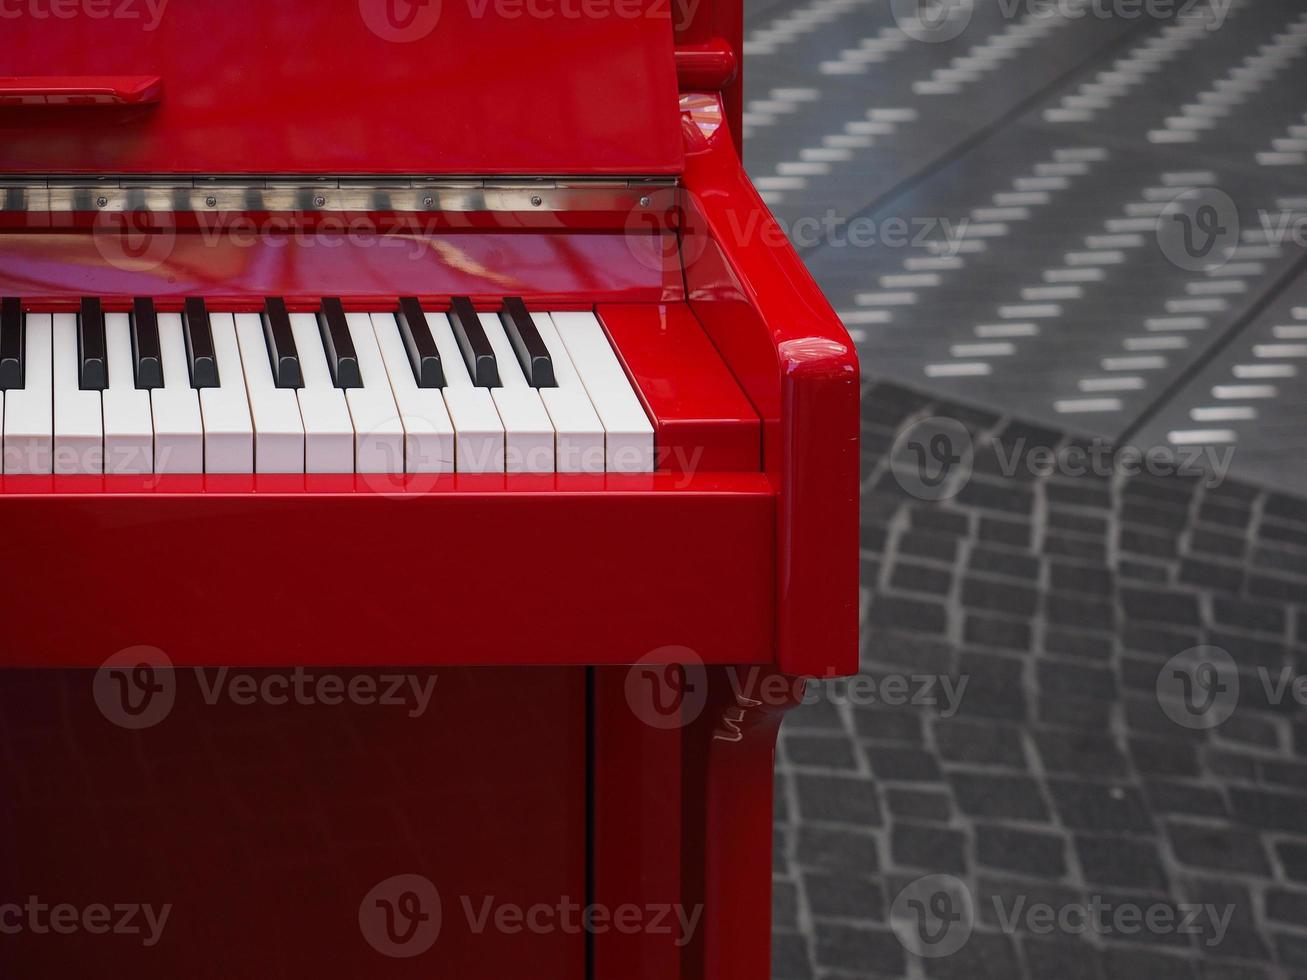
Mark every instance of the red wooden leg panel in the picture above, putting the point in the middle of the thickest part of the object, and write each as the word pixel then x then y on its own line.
pixel 272 835
pixel 703 418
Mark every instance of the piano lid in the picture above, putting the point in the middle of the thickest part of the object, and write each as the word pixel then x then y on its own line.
pixel 447 87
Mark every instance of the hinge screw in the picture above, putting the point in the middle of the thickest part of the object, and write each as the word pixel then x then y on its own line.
pixel 644 202
pixel 211 201
pixel 536 200
pixel 319 201
pixel 428 201
pixel 101 202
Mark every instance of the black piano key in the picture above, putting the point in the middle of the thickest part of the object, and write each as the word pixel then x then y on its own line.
pixel 281 344
pixel 200 357
pixel 530 348
pixel 421 346
pixel 145 344
pixel 13 341
pixel 339 345
pixel 92 363
pixel 474 343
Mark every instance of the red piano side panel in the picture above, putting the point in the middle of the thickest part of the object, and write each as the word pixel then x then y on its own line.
pixel 465 87
pixel 795 360
pixel 265 830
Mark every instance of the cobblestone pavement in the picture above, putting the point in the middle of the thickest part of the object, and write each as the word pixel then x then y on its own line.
pixel 1074 749
pixel 1029 725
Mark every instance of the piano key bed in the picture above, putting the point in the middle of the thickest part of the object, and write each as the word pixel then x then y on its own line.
pixel 401 390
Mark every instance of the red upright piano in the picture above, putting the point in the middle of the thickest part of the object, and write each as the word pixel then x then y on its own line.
pixel 428 477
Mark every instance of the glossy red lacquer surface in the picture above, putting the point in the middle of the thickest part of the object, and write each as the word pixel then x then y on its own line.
pixel 235 269
pixel 321 570
pixel 266 826
pixel 364 86
pixel 794 359
pixel 704 422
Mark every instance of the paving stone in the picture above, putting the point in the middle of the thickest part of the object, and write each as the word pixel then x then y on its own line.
pixel 984 957
pixel 1077 752
pixel 981 743
pixel 997 796
pixel 932 849
pixel 918 805
pixel 850 850
pixel 1100 807
pixel 1062 958
pixel 897 764
pixel 890 725
pixel 1180 798
pixel 829 752
pixel 855 948
pixel 997 631
pixel 902 613
pixel 843 896
pixel 1013 534
pixel 841 799
pixel 789 957
pixel 1021 851
pixel 911 577
pixel 1121 861
pixel 1218 848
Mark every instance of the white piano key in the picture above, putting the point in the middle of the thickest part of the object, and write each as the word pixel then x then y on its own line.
pixel 579 433
pixel 178 426
pixel 29 411
pixel 629 434
pixel 528 432
pixel 78 422
pixel 225 410
pixel 379 434
pixel 278 430
pixel 479 433
pixel 128 421
pixel 428 431
pixel 328 431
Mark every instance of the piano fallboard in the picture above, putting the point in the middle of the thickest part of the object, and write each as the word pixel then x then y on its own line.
pixel 348 570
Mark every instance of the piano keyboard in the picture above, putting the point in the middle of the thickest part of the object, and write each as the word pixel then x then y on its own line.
pixel 411 390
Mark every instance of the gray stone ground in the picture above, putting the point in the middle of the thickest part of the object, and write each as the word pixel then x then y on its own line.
pixel 1074 773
